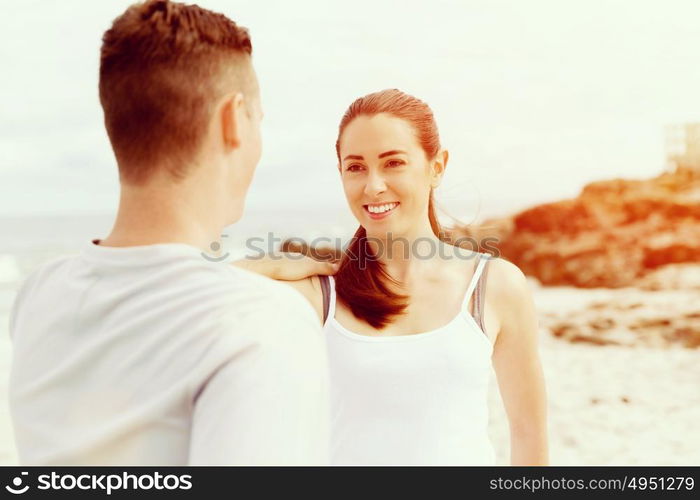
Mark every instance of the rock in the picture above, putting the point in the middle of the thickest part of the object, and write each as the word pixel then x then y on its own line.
pixel 616 233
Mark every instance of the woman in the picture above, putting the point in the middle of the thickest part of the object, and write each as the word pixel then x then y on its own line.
pixel 412 330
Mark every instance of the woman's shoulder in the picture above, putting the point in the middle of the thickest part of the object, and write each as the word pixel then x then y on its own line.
pixel 506 280
pixel 509 292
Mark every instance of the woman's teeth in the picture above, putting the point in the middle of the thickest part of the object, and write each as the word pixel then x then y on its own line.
pixel 379 209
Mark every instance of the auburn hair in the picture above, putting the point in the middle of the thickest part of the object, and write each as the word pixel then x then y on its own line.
pixel 163 66
pixel 362 281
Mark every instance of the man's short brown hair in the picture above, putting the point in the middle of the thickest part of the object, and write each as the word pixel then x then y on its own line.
pixel 163 66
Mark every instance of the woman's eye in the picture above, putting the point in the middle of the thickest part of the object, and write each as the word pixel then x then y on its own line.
pixel 354 167
pixel 394 163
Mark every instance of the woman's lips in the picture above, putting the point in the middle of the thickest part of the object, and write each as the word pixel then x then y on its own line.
pixel 388 209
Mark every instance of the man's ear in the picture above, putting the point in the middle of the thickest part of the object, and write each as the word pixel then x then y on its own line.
pixel 231 119
pixel 438 167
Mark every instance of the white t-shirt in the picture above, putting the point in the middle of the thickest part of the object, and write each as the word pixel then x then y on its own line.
pixel 151 355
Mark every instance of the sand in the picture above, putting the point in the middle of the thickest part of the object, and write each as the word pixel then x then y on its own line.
pixel 609 404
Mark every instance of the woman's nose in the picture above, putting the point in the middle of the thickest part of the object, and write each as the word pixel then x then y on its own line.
pixel 375 185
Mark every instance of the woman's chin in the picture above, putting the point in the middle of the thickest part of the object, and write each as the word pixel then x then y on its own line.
pixel 235 215
pixel 379 231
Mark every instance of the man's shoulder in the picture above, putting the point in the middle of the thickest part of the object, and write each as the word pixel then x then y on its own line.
pixel 272 296
pixel 231 292
pixel 243 305
pixel 45 270
pixel 225 291
pixel 53 263
pixel 33 280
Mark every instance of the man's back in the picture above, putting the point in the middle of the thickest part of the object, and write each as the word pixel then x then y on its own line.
pixel 152 355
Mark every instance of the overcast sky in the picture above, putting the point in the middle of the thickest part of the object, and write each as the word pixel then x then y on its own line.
pixel 533 99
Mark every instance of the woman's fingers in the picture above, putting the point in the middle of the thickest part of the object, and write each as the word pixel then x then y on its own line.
pixel 328 267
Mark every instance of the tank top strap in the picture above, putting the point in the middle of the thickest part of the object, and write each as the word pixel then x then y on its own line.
pixel 328 291
pixel 479 299
pixel 482 259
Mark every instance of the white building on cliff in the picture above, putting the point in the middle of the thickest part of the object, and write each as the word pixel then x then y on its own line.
pixel 683 147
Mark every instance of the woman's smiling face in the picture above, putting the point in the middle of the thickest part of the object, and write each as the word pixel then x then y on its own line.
pixel 386 175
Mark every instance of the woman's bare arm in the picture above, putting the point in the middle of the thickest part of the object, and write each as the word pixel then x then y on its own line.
pixel 517 365
pixel 286 266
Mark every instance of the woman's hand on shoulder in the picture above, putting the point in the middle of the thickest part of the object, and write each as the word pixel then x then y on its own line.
pixel 286 266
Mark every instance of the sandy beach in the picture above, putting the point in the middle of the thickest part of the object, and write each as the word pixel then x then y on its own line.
pixel 607 404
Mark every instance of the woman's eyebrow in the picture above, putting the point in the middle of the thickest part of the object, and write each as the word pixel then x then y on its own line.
pixel 392 152
pixel 386 153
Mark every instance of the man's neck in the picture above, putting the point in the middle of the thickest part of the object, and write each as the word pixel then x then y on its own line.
pixel 149 216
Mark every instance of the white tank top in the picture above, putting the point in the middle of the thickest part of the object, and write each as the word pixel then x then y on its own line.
pixel 418 399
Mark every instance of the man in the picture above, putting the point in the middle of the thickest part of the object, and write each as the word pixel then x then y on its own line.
pixel 141 351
